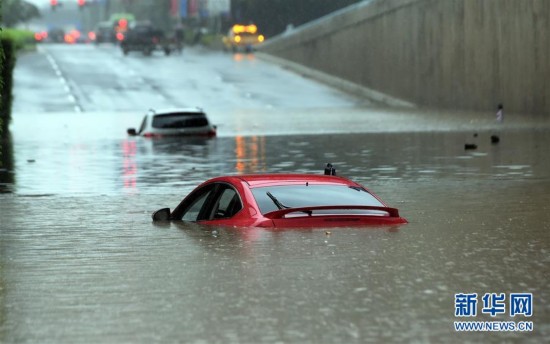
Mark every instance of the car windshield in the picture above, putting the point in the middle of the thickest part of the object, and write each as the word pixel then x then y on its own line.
pixel 179 120
pixel 297 196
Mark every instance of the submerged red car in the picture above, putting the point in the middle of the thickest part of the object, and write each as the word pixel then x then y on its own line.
pixel 282 200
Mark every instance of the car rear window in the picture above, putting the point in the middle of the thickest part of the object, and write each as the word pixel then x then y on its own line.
pixel 297 196
pixel 179 120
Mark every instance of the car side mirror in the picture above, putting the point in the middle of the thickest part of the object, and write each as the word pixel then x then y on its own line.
pixel 162 215
pixel 131 132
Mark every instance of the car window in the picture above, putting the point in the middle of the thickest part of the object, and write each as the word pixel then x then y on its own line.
pixel 296 196
pixel 215 201
pixel 179 120
pixel 227 204
pixel 142 126
pixel 194 211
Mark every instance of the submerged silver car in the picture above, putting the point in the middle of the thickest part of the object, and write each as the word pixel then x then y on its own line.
pixel 175 122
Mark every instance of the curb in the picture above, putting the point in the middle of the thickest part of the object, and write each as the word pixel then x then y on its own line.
pixel 344 85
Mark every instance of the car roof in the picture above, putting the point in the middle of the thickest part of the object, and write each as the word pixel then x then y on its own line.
pixel 278 179
pixel 175 110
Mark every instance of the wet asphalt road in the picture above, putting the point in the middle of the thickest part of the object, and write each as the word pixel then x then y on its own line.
pixel 89 78
pixel 81 262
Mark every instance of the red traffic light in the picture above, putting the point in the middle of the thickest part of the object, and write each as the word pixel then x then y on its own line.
pixel 53 2
pixel 81 2
pixel 123 23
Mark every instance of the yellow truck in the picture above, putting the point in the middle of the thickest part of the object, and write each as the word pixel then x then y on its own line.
pixel 243 37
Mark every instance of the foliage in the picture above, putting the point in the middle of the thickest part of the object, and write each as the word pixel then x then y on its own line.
pixel 121 15
pixel 212 40
pixel 7 48
pixel 12 13
pixel 20 37
pixel 273 16
pixel 1 78
pixel 18 11
pixel 157 11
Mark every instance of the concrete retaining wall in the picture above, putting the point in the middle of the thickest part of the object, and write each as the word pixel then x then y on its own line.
pixel 464 54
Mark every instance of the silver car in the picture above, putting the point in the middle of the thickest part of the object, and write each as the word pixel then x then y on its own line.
pixel 175 122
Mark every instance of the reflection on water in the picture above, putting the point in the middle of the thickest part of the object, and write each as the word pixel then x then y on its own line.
pixel 250 154
pixel 80 260
pixel 159 165
pixel 239 57
pixel 129 165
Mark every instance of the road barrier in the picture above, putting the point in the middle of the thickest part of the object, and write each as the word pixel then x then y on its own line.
pixel 455 54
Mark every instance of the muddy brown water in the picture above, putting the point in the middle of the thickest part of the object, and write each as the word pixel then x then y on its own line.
pixel 81 261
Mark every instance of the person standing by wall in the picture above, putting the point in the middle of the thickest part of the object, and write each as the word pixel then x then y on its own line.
pixel 500 113
pixel 500 118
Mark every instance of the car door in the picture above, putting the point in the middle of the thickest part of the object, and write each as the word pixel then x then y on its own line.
pixel 225 204
pixel 193 206
pixel 212 203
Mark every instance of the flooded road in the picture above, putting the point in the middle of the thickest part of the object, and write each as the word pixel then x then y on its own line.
pixel 81 261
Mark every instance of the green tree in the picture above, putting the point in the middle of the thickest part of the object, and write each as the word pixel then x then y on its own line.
pixel 17 11
pixel 1 71
pixel 155 11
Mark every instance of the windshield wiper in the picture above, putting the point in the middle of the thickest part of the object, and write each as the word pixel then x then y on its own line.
pixel 276 201
pixel 282 206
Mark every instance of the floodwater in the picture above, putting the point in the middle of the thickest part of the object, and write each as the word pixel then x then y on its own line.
pixel 81 261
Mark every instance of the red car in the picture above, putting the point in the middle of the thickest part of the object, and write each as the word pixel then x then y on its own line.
pixel 282 200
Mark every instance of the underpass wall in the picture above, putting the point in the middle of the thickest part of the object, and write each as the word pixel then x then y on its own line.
pixel 461 54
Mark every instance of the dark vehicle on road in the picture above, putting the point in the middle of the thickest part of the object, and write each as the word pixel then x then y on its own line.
pixel 105 33
pixel 282 200
pixel 56 35
pixel 146 38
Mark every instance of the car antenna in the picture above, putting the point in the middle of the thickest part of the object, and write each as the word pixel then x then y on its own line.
pixel 329 170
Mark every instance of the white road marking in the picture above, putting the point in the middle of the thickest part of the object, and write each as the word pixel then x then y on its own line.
pixel 72 98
